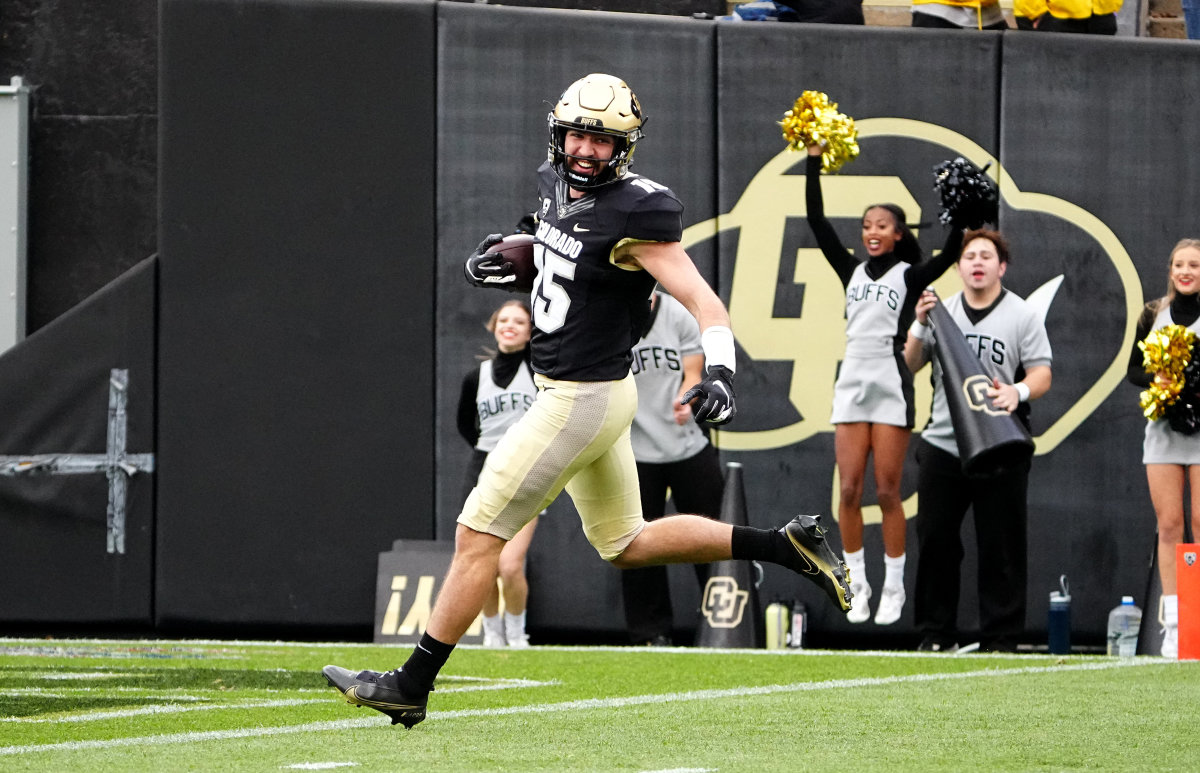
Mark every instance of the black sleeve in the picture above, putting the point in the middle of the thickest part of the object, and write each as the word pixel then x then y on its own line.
pixel 528 224
pixel 1136 374
pixel 922 275
pixel 839 257
pixel 468 415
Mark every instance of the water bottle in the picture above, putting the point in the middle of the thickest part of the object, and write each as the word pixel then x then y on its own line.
pixel 777 625
pixel 1058 622
pixel 799 625
pixel 1123 624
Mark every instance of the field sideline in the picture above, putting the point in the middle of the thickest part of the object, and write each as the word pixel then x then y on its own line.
pixel 115 705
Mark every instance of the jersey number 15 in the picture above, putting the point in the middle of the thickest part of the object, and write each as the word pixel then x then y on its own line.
pixel 550 298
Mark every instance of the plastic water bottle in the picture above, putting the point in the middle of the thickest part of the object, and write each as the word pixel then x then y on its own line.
pixel 777 614
pixel 1058 621
pixel 799 625
pixel 1123 624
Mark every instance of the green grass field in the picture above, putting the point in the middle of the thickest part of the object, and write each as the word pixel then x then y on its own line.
pixel 91 705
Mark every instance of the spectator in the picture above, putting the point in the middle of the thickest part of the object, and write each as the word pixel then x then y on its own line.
pixel 1018 360
pixel 672 454
pixel 1191 18
pixel 1172 458
pixel 493 397
pixel 873 411
pixel 958 14
pixel 823 11
pixel 1093 17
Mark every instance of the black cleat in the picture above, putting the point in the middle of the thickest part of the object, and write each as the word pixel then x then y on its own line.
pixel 379 691
pixel 815 560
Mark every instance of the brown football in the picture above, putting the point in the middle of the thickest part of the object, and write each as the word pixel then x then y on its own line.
pixel 517 249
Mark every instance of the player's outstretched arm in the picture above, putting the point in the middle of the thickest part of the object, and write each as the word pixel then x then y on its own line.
pixel 669 263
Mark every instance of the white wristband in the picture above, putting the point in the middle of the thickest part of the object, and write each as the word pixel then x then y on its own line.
pixel 717 342
pixel 1022 391
pixel 919 331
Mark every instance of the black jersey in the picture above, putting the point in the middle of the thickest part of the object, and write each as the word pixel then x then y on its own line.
pixel 588 309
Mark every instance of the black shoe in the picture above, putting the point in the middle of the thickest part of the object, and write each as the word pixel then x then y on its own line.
pixel 661 640
pixel 937 644
pixel 816 561
pixel 379 691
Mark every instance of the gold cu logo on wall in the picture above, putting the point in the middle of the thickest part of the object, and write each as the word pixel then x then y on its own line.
pixel 724 602
pixel 975 390
pixel 813 342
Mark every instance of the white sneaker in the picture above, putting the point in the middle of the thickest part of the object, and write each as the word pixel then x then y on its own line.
pixel 891 603
pixel 859 612
pixel 1170 644
pixel 514 630
pixel 493 633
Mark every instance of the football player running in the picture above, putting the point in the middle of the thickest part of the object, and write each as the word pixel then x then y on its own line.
pixel 605 237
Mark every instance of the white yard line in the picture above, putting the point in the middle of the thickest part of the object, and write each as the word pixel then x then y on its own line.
pixel 161 708
pixel 474 684
pixel 579 705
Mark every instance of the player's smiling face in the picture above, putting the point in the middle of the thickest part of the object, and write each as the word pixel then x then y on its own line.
pixel 879 231
pixel 588 151
pixel 512 328
pixel 1185 271
pixel 980 266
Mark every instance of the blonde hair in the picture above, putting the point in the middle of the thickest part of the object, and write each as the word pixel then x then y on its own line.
pixel 1155 306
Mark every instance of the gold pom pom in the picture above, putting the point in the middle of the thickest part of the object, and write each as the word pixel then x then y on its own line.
pixel 1166 352
pixel 814 120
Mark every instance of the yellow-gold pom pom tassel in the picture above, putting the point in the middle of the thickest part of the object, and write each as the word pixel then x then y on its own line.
pixel 814 120
pixel 1166 353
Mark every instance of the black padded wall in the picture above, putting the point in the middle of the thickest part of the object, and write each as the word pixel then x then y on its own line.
pixel 296 320
pixel 55 567
pixel 92 141
pixel 500 71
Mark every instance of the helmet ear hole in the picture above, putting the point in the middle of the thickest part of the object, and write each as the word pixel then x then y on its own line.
pixel 596 104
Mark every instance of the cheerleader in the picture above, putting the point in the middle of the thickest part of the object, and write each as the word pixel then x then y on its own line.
pixel 873 411
pixel 1172 458
pixel 493 397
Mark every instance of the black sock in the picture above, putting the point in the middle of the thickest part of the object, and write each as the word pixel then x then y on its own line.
pixel 422 666
pixel 751 544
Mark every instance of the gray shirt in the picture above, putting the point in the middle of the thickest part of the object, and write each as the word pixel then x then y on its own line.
pixel 1009 337
pixel 658 372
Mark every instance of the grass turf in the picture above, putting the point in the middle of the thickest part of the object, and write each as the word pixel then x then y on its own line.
pixel 180 705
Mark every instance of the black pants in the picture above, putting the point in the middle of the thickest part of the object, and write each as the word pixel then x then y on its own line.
pixel 930 21
pixel 999 505
pixel 1103 24
pixel 697 486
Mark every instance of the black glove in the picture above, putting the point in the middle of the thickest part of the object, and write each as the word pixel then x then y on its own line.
pixel 716 390
pixel 487 270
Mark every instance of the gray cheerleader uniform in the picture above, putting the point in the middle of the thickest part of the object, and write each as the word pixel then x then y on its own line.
pixel 1009 337
pixel 499 407
pixel 1163 445
pixel 874 384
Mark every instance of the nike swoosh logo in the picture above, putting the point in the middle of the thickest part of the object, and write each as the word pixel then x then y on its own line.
pixel 812 568
pixel 579 229
pixel 353 693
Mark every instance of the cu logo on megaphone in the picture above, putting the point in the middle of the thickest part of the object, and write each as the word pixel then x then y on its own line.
pixel 975 390
pixel 724 602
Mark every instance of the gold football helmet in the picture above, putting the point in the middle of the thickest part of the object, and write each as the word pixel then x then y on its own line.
pixel 599 104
